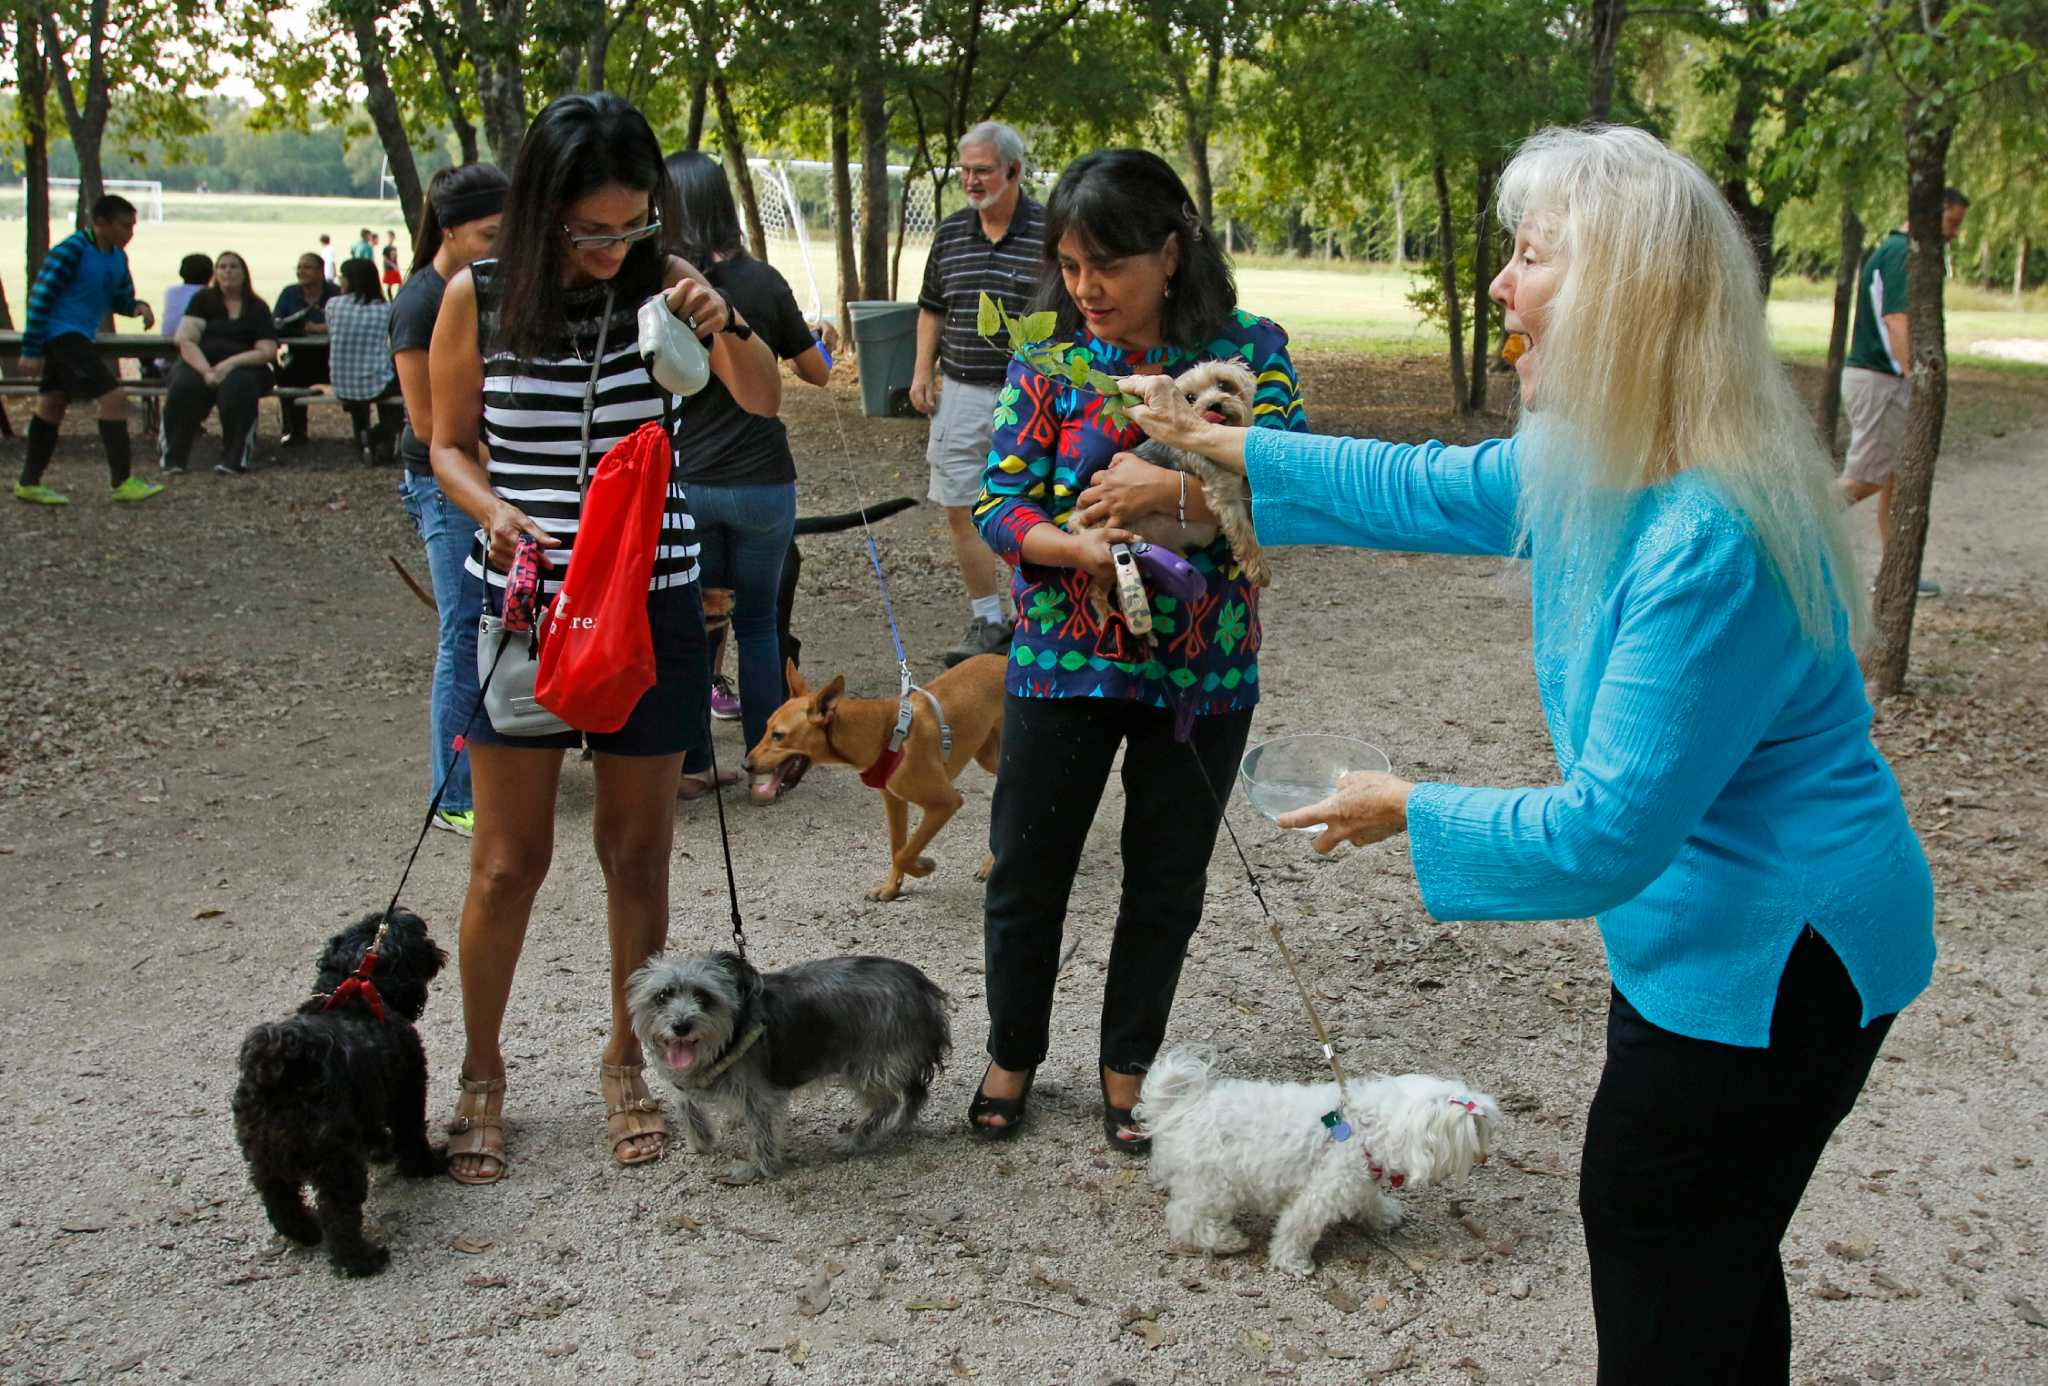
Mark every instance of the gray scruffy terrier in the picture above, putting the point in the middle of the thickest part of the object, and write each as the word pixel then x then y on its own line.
pixel 731 1038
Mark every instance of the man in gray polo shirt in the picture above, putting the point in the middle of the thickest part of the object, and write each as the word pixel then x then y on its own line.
pixel 992 246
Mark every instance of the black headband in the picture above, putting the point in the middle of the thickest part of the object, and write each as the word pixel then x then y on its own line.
pixel 484 202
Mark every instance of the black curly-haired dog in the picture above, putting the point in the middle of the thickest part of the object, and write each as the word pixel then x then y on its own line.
pixel 327 1091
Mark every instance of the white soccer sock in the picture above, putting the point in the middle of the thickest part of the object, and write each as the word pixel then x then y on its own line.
pixel 989 609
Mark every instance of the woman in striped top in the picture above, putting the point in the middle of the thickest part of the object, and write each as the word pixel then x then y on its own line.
pixel 519 341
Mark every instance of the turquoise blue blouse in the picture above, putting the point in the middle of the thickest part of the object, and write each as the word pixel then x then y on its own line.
pixel 1719 791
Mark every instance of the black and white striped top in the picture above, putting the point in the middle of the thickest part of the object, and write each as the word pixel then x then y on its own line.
pixel 533 425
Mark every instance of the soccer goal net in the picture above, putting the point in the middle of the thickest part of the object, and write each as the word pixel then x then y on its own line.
pixel 795 196
pixel 146 193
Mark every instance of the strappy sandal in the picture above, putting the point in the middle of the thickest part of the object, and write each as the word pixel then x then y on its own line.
pixel 1010 1109
pixel 478 1133
pixel 622 1119
pixel 695 784
pixel 1116 1122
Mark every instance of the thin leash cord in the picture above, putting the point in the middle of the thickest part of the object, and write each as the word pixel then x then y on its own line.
pixel 671 427
pixel 1308 1004
pixel 732 887
pixel 868 533
pixel 447 774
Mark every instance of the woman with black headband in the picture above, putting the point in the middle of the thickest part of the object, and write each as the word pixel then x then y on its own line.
pixel 460 224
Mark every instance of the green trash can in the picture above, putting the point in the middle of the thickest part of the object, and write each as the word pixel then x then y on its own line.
pixel 885 334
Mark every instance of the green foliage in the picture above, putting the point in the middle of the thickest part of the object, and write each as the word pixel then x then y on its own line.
pixel 1029 341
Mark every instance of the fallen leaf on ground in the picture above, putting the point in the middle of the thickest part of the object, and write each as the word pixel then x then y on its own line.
pixel 471 1246
pixel 944 1306
pixel 210 912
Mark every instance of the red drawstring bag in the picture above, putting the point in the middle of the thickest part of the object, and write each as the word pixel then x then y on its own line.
pixel 597 653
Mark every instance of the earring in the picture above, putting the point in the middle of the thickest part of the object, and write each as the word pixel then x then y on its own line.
pixel 1169 291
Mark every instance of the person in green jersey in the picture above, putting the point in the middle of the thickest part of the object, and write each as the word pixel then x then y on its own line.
pixel 1877 394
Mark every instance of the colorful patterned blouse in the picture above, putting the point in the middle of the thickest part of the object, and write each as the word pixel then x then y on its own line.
pixel 1050 439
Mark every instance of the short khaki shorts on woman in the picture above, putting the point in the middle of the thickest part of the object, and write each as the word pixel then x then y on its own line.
pixel 1877 405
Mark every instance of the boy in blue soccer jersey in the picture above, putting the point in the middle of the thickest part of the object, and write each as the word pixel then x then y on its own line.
pixel 84 277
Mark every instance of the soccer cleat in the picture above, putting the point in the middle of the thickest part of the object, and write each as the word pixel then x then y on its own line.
pixel 462 824
pixel 39 494
pixel 136 489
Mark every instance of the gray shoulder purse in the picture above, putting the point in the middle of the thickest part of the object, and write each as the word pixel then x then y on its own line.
pixel 508 661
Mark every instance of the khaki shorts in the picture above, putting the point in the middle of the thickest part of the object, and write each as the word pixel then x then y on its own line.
pixel 958 447
pixel 1877 405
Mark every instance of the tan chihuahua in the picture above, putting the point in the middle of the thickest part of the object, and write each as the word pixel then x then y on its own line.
pixel 833 729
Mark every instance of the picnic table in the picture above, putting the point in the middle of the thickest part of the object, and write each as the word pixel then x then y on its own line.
pixel 140 344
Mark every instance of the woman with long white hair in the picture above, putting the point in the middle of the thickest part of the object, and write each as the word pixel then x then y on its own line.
pixel 1721 811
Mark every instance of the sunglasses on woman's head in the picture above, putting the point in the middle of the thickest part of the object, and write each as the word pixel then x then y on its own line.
pixel 636 235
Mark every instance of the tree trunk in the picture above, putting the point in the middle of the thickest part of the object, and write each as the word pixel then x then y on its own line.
pixel 903 226
pixel 87 123
pixel 2019 266
pixel 736 165
pixel 1759 221
pixel 1195 127
pixel 1928 133
pixel 494 49
pixel 1828 416
pixel 383 108
pixel 874 166
pixel 1400 224
pixel 33 98
pixel 447 77
pixel 693 136
pixel 1482 282
pixel 1447 264
pixel 842 218
pixel 1604 39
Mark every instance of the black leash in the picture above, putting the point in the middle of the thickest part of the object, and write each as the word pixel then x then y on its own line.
pixel 447 773
pixel 671 422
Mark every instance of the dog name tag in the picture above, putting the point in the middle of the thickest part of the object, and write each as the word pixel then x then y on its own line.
pixel 1338 1127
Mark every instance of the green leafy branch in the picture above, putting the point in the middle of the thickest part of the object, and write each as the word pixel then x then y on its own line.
pixel 1030 343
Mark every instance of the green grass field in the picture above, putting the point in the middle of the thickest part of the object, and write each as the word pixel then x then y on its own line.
pixel 1343 307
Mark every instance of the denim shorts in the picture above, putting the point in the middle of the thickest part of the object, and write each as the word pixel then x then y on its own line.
pixel 670 717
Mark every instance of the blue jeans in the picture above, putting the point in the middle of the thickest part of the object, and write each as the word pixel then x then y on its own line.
pixel 744 532
pixel 448 534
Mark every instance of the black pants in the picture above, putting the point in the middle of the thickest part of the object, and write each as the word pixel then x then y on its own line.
pixel 1697 1155
pixel 1057 754
pixel 188 399
pixel 306 367
pixel 381 439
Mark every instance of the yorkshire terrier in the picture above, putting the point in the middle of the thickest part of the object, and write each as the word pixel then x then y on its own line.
pixel 1222 392
pixel 737 1040
pixel 1221 1146
pixel 328 1090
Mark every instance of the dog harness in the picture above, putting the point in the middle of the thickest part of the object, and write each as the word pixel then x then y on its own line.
pixel 704 1078
pixel 359 983
pixel 877 775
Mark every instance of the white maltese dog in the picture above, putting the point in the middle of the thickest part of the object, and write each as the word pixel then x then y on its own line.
pixel 1221 1145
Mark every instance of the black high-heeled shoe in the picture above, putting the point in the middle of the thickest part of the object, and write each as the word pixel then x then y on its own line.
pixel 1010 1109
pixel 1116 1121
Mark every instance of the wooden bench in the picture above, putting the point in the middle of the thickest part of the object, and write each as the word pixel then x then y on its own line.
pixel 146 346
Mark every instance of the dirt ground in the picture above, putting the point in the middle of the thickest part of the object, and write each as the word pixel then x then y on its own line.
pixel 214 754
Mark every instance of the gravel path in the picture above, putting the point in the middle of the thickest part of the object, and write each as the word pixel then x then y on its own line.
pixel 212 757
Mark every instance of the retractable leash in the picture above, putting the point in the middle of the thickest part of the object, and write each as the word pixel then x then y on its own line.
pixel 878 774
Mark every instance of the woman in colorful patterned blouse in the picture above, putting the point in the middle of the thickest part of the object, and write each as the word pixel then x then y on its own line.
pixel 1137 281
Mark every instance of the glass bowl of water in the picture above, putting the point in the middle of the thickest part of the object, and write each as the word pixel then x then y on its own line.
pixel 1292 772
